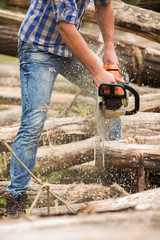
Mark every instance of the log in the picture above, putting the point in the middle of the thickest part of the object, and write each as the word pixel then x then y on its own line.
pixel 148 102
pixel 122 155
pixel 9 26
pixel 131 19
pixel 19 3
pixel 74 193
pixel 142 128
pixel 153 5
pixel 9 114
pixel 142 215
pixel 142 124
pixel 148 200
pixel 56 131
pixel 85 226
pixel 51 158
pixel 127 18
pixel 117 155
pixel 137 56
pixel 141 62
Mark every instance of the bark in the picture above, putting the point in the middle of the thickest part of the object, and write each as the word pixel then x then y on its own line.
pixel 117 155
pixel 9 26
pixel 142 215
pixel 85 226
pixel 134 201
pixel 57 131
pixel 122 155
pixel 148 102
pixel 141 126
pixel 127 18
pixel 153 5
pixel 51 158
pixel 131 18
pixel 74 193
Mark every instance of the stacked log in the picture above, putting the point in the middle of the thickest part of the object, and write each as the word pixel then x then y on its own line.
pixel 140 62
pixel 127 17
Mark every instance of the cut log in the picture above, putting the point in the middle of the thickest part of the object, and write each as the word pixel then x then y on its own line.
pixel 131 18
pixel 117 154
pixel 122 155
pixel 9 26
pixel 127 18
pixel 10 115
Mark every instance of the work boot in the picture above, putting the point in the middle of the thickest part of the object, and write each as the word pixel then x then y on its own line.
pixel 15 206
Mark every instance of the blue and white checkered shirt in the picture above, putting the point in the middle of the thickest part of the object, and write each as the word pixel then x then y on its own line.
pixel 40 29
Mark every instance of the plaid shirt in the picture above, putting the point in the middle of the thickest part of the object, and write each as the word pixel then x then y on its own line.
pixel 40 29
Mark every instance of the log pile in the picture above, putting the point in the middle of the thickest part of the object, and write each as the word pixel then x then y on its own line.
pixel 136 21
pixel 139 60
pixel 139 148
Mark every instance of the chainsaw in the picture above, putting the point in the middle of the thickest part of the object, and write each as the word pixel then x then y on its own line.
pixel 113 100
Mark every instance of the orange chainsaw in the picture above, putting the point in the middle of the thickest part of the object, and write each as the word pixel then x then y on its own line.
pixel 113 100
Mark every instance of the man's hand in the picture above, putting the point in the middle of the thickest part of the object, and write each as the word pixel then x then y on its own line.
pixel 105 77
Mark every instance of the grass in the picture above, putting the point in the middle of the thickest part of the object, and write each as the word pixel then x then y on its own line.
pixel 5 59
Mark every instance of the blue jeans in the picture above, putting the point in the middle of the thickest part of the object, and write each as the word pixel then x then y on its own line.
pixel 38 71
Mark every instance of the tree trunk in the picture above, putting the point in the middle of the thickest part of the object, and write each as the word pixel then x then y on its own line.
pixel 153 5
pixel 122 155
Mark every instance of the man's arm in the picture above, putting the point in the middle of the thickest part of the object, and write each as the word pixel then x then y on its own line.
pixel 105 19
pixel 79 48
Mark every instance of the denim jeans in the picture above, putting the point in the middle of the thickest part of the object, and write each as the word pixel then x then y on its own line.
pixel 38 71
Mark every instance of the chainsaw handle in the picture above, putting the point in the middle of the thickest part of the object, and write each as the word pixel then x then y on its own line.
pixel 136 97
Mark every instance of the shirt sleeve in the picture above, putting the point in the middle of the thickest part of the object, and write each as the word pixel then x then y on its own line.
pixel 101 2
pixel 66 11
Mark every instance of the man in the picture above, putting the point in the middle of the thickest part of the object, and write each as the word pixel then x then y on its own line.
pixel 49 44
